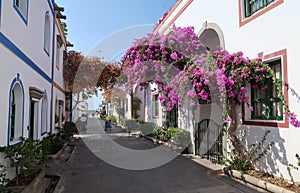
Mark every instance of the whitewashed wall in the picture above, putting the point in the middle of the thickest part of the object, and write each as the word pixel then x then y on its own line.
pixel 30 38
pixel 273 31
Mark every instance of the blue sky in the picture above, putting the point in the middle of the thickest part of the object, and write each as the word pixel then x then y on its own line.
pixel 110 26
pixel 90 21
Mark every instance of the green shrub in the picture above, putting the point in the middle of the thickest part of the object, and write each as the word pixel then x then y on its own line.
pixel 3 180
pixel 176 135
pixel 27 158
pixel 159 133
pixel 122 122
pixel 52 143
pixel 181 137
pixel 147 127
pixel 170 133
pixel 131 125
pixel 69 128
pixel 113 119
pixel 253 154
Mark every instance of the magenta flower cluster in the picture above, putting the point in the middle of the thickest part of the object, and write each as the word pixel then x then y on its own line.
pixel 182 67
pixel 293 119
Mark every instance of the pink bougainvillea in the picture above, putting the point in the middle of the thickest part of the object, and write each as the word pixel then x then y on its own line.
pixel 182 67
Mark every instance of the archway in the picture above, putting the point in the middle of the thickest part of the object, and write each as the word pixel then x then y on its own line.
pixel 211 36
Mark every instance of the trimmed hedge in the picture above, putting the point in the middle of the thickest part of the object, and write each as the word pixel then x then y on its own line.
pixel 147 128
pixel 113 119
pixel 175 135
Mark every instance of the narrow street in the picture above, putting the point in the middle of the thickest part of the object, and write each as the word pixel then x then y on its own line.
pixel 87 173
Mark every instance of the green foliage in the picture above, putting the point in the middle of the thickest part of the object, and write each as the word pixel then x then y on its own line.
pixel 64 26
pixel 295 167
pixel 27 158
pixel 4 189
pixel 3 180
pixel 253 153
pixel 56 118
pixel 130 124
pixel 176 135
pixel 182 137
pixel 159 133
pixel 2 174
pixel 146 127
pixel 235 162
pixel 52 143
pixel 170 133
pixel 69 128
pixel 113 119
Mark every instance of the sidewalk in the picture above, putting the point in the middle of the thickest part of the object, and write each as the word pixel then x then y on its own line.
pixel 85 172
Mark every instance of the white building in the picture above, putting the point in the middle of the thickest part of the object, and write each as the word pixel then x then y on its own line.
pixel 261 28
pixel 32 43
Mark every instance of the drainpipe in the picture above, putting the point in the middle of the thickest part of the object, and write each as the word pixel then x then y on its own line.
pixel 52 70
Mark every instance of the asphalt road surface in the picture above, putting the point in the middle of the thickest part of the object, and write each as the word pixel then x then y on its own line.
pixel 97 167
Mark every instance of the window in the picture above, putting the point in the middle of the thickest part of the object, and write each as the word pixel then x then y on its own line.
pixel 57 55
pixel 252 9
pixel 21 7
pixel 12 116
pixel 15 113
pixel 267 106
pixel 59 43
pixel 47 33
pixel 252 6
pixel 60 112
pixel 266 102
pixel 44 115
pixel 126 104
pixel 155 105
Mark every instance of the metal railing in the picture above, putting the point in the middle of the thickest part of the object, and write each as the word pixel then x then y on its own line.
pixel 208 140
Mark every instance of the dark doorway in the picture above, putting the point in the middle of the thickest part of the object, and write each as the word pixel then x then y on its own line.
pixel 172 117
pixel 33 119
pixel 208 140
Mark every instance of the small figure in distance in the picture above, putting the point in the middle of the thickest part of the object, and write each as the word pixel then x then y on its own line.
pixel 107 120
pixel 109 125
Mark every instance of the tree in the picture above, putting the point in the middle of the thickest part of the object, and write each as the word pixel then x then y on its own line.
pixel 84 75
pixel 202 75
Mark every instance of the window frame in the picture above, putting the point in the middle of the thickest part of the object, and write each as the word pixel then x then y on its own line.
pixel 155 106
pixel 44 114
pixel 47 33
pixel 57 55
pixel 12 116
pixel 242 13
pixel 246 113
pixel 24 16
pixel 18 123
pixel 268 100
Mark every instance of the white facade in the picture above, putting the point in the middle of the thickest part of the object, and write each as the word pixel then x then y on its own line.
pixel 60 47
pixel 120 104
pixel 271 34
pixel 30 82
pixel 79 106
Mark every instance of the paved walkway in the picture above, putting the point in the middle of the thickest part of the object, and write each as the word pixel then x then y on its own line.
pixel 87 173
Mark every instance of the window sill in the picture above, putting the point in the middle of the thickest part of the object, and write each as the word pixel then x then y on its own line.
pixel 266 123
pixel 14 142
pixel 244 21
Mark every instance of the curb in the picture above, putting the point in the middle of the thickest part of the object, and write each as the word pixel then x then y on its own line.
pixel 58 154
pixel 36 185
pixel 256 182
